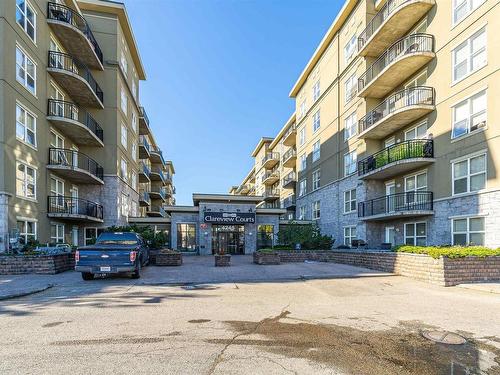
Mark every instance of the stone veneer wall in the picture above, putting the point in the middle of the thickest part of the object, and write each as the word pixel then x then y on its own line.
pixel 41 264
pixel 4 221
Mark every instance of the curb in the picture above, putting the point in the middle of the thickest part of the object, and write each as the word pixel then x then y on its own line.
pixel 24 293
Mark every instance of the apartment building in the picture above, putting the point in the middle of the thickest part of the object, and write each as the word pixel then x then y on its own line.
pixel 395 131
pixel 74 136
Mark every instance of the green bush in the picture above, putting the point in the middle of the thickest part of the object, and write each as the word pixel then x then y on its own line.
pixel 307 235
pixel 155 240
pixel 449 251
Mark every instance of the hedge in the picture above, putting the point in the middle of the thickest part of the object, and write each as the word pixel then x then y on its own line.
pixel 449 251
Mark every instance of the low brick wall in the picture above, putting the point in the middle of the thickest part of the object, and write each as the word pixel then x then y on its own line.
pixel 41 264
pixel 168 259
pixel 266 258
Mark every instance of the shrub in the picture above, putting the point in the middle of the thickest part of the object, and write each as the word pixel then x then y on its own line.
pixel 449 251
pixel 307 235
pixel 155 240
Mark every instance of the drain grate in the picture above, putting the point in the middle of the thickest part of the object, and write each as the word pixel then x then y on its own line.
pixel 444 337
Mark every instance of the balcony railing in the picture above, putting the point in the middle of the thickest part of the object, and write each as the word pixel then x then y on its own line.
pixel 289 137
pixel 63 61
pixel 161 192
pixel 421 95
pixel 144 197
pixel 158 170
pixel 270 156
pixel 410 44
pixel 290 153
pixel 68 110
pixel 288 202
pixel 271 175
pixel 272 193
pixel 416 148
pixel 75 160
pixel 63 13
pixel 74 207
pixel 156 211
pixel 145 169
pixel 289 178
pixel 397 203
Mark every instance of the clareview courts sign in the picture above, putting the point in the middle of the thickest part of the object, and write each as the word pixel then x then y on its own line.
pixel 229 217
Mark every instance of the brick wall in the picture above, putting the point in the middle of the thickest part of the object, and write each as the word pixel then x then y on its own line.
pixel 41 264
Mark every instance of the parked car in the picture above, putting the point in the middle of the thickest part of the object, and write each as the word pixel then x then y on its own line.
pixel 113 253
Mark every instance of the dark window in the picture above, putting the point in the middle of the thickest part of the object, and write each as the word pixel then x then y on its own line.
pixel 186 237
pixel 265 235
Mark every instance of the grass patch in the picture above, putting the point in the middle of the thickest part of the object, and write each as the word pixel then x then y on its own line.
pixel 449 251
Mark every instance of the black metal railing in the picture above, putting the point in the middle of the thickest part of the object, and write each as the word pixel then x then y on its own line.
pixel 63 13
pixel 407 45
pixel 272 193
pixel 290 177
pixel 420 95
pixel 63 61
pixel 68 110
pixel 394 203
pixel 75 160
pixel 290 153
pixel 270 156
pixel 144 115
pixel 379 18
pixel 288 202
pixel 416 148
pixel 271 174
pixel 66 205
pixel 143 141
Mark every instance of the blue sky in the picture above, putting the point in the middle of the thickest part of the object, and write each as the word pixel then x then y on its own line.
pixel 218 77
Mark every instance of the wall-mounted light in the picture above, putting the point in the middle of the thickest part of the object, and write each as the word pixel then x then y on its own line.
pixel 250 233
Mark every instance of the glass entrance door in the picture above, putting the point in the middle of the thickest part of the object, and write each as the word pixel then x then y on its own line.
pixel 228 239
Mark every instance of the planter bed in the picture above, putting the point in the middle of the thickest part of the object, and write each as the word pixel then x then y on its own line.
pixel 265 258
pixel 168 258
pixel 222 260
pixel 40 264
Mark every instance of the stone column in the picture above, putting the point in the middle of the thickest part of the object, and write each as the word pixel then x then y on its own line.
pixel 4 221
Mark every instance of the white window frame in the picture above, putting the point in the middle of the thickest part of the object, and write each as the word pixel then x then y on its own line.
pixel 124 206
pixel 468 101
pixel 350 88
pixel 350 126
pixel 316 121
pixel 24 233
pixel 414 128
pixel 316 154
pixel 59 237
pixel 95 229
pixel 415 236
pixel 24 138
pixel 316 210
pixel 469 4
pixel 468 231
pixel 302 135
pixel 134 88
pixel 124 169
pixel 316 90
pixel 24 80
pixel 468 158
pixel 124 63
pixel 302 213
pixel 350 234
pixel 303 162
pixel 302 187
pixel 468 45
pixel 316 179
pixel 26 182
pixel 27 4
pixel 303 110
pixel 124 136
pixel 134 151
pixel 134 121
pixel 353 158
pixel 350 49
pixel 123 100
pixel 133 180
pixel 349 201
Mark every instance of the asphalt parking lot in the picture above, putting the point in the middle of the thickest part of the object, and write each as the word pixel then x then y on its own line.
pixel 350 323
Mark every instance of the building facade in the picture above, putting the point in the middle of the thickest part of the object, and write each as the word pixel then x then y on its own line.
pixel 394 125
pixel 76 146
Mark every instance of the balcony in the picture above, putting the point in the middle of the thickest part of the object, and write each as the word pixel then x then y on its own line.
pixel 396 111
pixel 156 156
pixel 74 33
pixel 75 122
pixel 270 160
pixel 289 180
pixel 144 173
pixel 156 211
pixel 290 158
pixel 397 159
pixel 158 193
pixel 156 174
pixel 144 199
pixel 243 189
pixel 70 208
pixel 144 148
pixel 144 128
pixel 396 65
pixel 75 78
pixel 271 195
pixel 270 178
pixel 289 138
pixel 75 166
pixel 393 21
pixel 408 204
pixel 288 203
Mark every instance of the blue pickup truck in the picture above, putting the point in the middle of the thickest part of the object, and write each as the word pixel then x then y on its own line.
pixel 113 253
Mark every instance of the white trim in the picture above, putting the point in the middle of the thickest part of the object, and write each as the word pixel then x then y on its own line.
pixel 468 156
pixel 470 12
pixel 35 26
pixel 415 223
pixel 468 101
pixel 467 232
pixel 467 39
pixel 467 215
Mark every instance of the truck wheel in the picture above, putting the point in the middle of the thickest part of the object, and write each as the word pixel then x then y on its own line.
pixel 87 276
pixel 137 272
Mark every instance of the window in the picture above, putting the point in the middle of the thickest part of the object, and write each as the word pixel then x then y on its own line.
pixel 350 126
pixel 26 18
pixel 350 161
pixel 469 115
pixel 124 169
pixel 302 135
pixel 124 204
pixel 302 109
pixel 302 187
pixel 349 235
pixel 26 71
pixel 468 231
pixel 316 211
pixel 349 201
pixel 351 88
pixel 186 237
pixel 265 236
pixel 316 151
pixel 302 212
pixel 124 135
pixel 469 56
pixel 134 89
pixel 133 180
pixel 303 162
pixel 57 233
pixel 350 49
pixel 123 63
pixel 316 91
pixel 316 179
pixel 418 132
pixel 57 190
pixel 416 234
pixel 123 101
pixel 134 151
pixel 25 125
pixel 27 231
pixel 316 121
pixel 90 235
pixel 134 121
pixel 462 8
pixel 469 175
pixel 25 181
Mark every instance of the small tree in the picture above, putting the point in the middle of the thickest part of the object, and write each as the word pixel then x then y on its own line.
pixel 307 235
